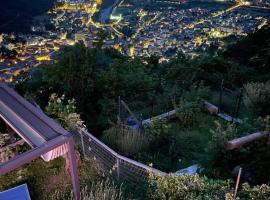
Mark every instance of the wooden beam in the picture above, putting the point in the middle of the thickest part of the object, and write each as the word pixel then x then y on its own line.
pixel 71 156
pixel 238 142
pixel 20 142
pixel 28 156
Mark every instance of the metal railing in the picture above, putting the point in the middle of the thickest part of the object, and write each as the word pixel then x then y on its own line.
pixel 110 162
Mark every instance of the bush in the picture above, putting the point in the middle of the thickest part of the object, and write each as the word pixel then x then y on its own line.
pixel 222 134
pixel 216 164
pixel 65 114
pixel 259 192
pixel 198 187
pixel 257 98
pixel 158 131
pixel 186 187
pixel 125 140
pixel 190 104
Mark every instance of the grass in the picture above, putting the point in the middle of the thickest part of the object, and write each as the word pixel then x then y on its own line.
pixel 124 140
pixel 49 181
pixel 186 146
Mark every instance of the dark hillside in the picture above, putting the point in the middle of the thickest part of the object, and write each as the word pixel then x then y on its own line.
pixel 253 51
pixel 16 15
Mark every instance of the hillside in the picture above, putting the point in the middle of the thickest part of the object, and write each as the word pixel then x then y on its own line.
pixel 16 15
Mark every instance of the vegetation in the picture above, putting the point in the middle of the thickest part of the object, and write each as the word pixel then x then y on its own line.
pixel 65 114
pixel 257 97
pixel 95 78
pixel 198 187
pixel 190 104
pixel 103 190
pixel 188 187
pixel 125 140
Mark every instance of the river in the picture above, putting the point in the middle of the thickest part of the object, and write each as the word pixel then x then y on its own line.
pixel 106 9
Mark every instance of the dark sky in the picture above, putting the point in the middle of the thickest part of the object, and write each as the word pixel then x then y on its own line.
pixel 16 15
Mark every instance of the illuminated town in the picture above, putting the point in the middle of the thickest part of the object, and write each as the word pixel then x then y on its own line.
pixel 135 28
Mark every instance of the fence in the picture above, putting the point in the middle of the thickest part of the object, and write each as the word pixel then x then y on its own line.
pixel 110 162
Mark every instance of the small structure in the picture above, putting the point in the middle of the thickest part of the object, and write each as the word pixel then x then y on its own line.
pixel 46 137
pixel 17 193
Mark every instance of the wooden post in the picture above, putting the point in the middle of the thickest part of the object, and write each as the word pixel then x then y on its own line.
pixel 71 158
pixel 237 183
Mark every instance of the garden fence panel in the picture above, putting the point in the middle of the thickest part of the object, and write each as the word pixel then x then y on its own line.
pixel 110 162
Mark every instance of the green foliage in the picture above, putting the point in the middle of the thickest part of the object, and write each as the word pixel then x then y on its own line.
pixel 257 97
pixel 198 187
pixel 260 192
pixel 158 131
pixel 95 78
pixel 253 51
pixel 222 134
pixel 216 163
pixel 125 140
pixel 213 70
pixel 264 123
pixel 186 187
pixel 191 103
pixel 65 114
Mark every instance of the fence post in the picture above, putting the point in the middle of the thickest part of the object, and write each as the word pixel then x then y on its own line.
pixel 82 142
pixel 238 104
pixel 118 168
pixel 119 108
pixel 220 97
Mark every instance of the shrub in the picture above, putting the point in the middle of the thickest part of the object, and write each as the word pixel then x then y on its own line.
pixel 158 131
pixel 216 164
pixel 186 187
pixel 198 187
pixel 65 114
pixel 190 104
pixel 264 123
pixel 125 140
pixel 257 97
pixel 222 134
pixel 259 192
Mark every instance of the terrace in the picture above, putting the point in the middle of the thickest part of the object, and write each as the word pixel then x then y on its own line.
pixel 44 137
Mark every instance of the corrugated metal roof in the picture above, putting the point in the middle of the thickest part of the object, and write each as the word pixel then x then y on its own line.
pixel 28 121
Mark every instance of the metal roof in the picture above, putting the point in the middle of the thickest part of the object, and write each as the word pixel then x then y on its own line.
pixel 17 193
pixel 28 121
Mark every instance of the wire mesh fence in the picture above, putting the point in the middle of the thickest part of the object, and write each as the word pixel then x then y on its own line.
pixel 110 162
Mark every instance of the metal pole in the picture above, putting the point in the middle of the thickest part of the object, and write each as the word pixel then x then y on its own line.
pixel 119 107
pixel 220 97
pixel 71 158
pixel 239 99
pixel 118 168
